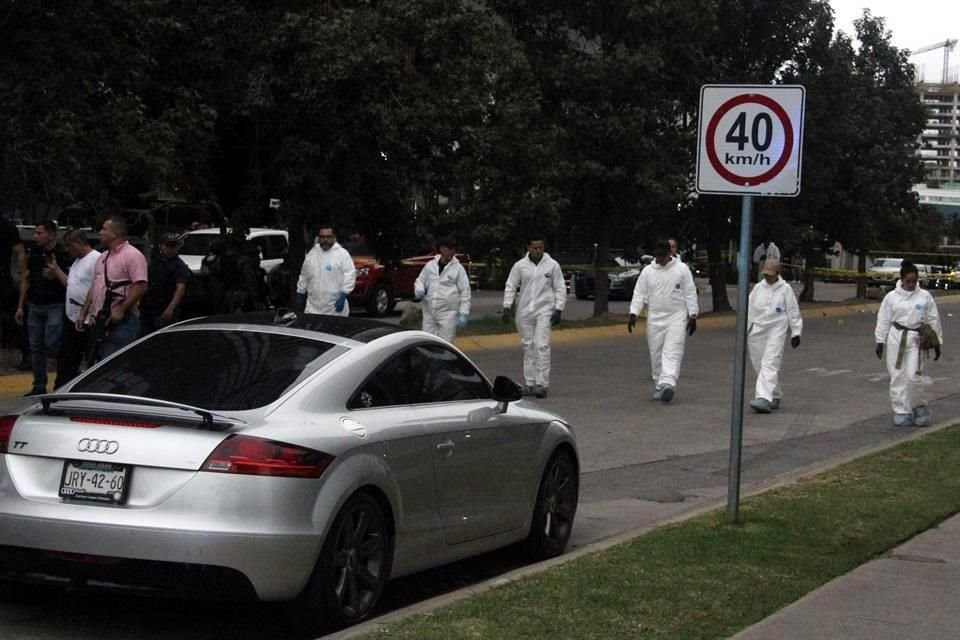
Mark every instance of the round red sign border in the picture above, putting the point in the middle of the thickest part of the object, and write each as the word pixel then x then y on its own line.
pixel 775 170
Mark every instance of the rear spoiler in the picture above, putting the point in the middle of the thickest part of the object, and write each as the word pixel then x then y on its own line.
pixel 48 399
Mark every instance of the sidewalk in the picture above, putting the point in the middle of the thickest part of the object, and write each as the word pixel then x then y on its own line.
pixel 912 592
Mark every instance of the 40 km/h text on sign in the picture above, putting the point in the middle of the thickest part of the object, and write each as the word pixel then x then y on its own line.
pixel 750 139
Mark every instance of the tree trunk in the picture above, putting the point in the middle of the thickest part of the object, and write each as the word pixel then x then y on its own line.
pixel 601 300
pixel 296 252
pixel 810 259
pixel 862 270
pixel 718 268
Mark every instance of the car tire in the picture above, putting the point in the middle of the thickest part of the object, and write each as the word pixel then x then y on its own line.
pixel 351 570
pixel 380 301
pixel 555 508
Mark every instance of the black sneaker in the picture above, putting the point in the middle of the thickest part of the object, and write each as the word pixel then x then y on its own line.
pixel 540 391
pixel 36 391
pixel 527 390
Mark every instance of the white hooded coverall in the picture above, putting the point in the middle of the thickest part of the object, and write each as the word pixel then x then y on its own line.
pixel 773 309
pixel 763 253
pixel 670 296
pixel 445 294
pixel 542 290
pixel 910 309
pixel 324 275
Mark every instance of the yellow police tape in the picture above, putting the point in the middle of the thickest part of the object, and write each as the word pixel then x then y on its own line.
pixel 875 276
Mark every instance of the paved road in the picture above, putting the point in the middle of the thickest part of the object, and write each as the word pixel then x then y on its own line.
pixel 490 302
pixel 643 461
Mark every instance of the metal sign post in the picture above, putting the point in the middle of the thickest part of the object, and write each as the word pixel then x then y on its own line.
pixel 750 140
pixel 740 360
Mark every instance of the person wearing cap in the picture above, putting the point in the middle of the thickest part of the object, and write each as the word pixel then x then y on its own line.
pixel 444 288
pixel 666 288
pixel 772 312
pixel 73 342
pixel 167 276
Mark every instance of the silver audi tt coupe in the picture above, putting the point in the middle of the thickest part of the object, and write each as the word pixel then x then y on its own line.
pixel 287 457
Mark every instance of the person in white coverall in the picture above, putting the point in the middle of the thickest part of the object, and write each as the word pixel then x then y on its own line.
pixel 444 288
pixel 901 313
pixel 772 312
pixel 327 276
pixel 765 251
pixel 543 294
pixel 667 290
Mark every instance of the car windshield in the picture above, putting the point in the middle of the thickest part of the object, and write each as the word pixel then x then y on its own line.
pixel 227 370
pixel 197 244
pixel 886 263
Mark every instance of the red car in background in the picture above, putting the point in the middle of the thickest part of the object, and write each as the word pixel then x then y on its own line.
pixel 379 287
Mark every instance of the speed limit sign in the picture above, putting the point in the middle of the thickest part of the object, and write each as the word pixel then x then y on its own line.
pixel 750 139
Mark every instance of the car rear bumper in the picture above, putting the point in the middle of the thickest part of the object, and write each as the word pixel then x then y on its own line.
pixel 272 567
pixel 267 529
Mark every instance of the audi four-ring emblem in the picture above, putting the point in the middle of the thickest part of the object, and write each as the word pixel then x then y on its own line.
pixel 93 445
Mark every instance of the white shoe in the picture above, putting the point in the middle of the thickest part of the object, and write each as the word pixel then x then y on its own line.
pixel 903 419
pixel 666 394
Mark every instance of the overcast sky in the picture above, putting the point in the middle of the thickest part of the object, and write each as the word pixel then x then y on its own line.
pixel 914 24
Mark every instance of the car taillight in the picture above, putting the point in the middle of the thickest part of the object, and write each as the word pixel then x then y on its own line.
pixel 6 428
pixel 258 457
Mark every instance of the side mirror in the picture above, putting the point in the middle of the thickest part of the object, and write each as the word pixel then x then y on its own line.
pixel 506 390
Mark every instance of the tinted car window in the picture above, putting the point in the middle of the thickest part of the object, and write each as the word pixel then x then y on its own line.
pixel 391 385
pixel 444 376
pixel 278 245
pixel 197 244
pixel 217 370
pixel 263 246
pixel 421 375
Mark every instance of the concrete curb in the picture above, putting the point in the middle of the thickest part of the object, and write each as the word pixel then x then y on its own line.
pixel 15 384
pixel 377 625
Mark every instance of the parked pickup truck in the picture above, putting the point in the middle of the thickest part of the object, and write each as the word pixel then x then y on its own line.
pixel 379 287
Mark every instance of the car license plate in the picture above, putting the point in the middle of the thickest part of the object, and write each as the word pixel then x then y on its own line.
pixel 88 481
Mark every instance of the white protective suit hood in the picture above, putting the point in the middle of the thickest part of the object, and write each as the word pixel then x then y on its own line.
pixel 665 290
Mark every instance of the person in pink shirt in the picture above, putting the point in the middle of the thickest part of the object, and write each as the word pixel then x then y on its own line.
pixel 121 270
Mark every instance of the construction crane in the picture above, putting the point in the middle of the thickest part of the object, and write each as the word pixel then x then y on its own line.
pixel 947 46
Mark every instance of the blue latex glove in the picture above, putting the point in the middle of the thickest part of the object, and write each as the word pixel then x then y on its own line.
pixel 341 300
pixel 301 300
pixel 462 320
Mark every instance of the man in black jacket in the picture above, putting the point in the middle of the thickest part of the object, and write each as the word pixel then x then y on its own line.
pixel 46 294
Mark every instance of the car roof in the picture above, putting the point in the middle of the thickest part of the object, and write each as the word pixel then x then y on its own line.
pixel 359 329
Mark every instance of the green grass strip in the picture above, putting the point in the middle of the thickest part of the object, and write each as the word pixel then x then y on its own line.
pixel 705 578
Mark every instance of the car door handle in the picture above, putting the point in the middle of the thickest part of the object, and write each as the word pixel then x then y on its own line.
pixel 446 447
